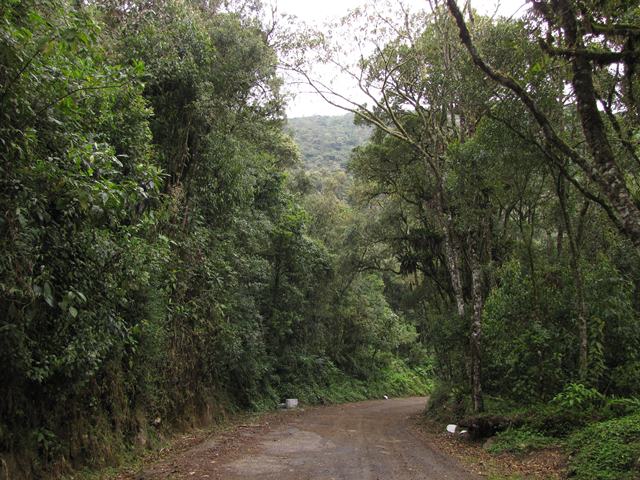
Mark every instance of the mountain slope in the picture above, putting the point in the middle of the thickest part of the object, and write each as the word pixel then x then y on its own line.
pixel 326 141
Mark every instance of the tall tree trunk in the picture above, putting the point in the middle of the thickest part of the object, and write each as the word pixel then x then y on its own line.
pixel 576 272
pixel 452 254
pixel 476 331
pixel 451 251
pixel 611 180
pixel 560 238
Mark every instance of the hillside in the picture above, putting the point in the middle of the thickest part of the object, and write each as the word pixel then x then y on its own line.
pixel 327 141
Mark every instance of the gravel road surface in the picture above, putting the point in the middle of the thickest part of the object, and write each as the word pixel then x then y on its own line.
pixel 373 440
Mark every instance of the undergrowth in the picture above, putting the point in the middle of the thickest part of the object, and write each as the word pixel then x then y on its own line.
pixel 600 435
pixel 608 450
pixel 520 441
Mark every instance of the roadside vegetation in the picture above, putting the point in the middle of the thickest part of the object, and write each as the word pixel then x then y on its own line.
pixel 599 439
pixel 163 264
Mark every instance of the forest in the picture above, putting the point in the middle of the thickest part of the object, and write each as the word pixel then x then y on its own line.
pixel 168 260
pixel 326 141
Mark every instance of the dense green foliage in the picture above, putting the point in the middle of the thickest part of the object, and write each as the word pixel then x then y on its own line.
pixel 599 435
pixel 166 257
pixel 161 262
pixel 607 450
pixel 599 447
pixel 535 256
pixel 326 141
pixel 520 440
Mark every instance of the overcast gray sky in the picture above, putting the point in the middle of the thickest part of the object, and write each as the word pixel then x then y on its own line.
pixel 319 12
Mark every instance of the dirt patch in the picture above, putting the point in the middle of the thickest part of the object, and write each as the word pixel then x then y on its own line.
pixel 185 454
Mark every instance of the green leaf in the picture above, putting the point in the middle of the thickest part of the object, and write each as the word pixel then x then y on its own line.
pixel 138 67
pixel 48 294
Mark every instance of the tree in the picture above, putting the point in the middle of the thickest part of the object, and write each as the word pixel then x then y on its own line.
pixel 593 48
pixel 424 93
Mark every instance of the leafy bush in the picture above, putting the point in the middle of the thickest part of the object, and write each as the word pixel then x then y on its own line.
pixel 577 396
pixel 607 450
pixel 625 378
pixel 331 385
pixel 447 402
pixel 554 421
pixel 530 358
pixel 537 354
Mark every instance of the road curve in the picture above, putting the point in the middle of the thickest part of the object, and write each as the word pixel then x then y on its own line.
pixel 371 440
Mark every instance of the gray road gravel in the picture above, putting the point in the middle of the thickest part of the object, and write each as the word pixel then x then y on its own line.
pixel 359 441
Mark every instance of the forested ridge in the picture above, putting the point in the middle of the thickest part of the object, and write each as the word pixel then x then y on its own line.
pixel 326 142
pixel 167 260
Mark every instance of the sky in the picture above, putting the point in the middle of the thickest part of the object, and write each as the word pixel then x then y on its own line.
pixel 318 12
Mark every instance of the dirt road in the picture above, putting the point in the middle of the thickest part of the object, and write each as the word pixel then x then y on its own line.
pixel 358 441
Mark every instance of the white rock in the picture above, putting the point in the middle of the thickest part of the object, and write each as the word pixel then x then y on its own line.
pixel 451 428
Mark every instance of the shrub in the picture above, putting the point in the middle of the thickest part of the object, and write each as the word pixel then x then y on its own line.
pixel 621 407
pixel 608 450
pixel 578 396
pixel 447 402
pixel 554 420
pixel 519 440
